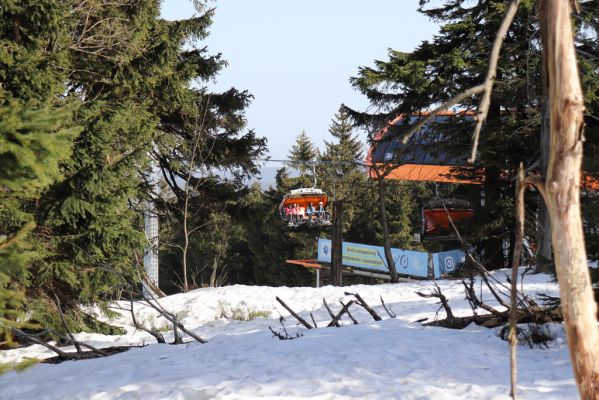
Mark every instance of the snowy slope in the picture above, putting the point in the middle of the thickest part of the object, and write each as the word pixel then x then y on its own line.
pixel 390 359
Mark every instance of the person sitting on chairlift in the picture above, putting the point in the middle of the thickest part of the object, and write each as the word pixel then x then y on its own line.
pixel 320 212
pixel 289 213
pixel 310 212
pixel 297 213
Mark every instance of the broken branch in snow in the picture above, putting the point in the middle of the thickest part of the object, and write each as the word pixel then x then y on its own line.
pixel 355 322
pixel 296 315
pixel 157 335
pixel 326 305
pixel 335 320
pixel 64 323
pixel 360 301
pixel 390 312
pixel 474 300
pixel 436 292
pixel 151 300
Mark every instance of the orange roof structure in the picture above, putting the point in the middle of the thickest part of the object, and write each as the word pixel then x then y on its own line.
pixel 414 161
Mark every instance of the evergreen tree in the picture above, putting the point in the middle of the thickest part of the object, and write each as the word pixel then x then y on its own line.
pixel 202 148
pixel 35 135
pixel 452 62
pixel 339 170
pixel 303 150
pixel 457 59
pixel 131 73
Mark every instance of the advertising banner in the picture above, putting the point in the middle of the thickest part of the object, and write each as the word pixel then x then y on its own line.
pixel 446 262
pixel 358 255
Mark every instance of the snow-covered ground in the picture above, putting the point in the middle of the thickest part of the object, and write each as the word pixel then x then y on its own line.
pixel 391 359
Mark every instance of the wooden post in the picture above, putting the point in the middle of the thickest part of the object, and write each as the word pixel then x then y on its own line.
pixel 336 256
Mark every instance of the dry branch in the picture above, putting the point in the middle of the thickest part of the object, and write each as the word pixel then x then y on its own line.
pixel 296 315
pixel 64 323
pixel 475 301
pixel 326 305
pixel 442 299
pixel 355 321
pixel 313 320
pixel 157 335
pixel 389 312
pixel 483 108
pixel 68 356
pixel 360 301
pixel 335 320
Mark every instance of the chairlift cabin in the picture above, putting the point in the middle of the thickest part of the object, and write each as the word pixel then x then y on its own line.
pixel 438 216
pixel 300 199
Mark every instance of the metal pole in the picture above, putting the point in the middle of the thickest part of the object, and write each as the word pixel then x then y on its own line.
pixel 151 250
pixel 317 278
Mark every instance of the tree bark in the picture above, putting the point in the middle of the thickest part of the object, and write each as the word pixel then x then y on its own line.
pixel 337 244
pixel 543 222
pixel 385 226
pixel 562 195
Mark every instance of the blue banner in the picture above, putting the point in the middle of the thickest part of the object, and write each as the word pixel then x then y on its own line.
pixel 358 255
pixel 448 261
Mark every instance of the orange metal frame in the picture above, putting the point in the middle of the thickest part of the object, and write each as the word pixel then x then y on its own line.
pixel 305 263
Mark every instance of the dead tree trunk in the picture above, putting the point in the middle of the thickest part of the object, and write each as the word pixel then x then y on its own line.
pixel 385 225
pixel 337 256
pixel 562 195
pixel 543 222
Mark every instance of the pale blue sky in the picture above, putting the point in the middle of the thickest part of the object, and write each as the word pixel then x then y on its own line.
pixel 296 57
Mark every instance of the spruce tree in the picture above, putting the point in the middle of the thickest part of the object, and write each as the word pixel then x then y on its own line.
pixel 36 134
pixel 339 169
pixel 452 62
pixel 302 151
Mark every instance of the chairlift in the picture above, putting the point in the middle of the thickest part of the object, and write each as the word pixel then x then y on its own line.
pixel 437 214
pixel 300 199
pixel 292 208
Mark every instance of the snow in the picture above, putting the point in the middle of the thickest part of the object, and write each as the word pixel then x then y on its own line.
pixel 390 359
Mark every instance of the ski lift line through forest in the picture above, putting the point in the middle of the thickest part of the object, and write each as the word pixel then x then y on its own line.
pixel 310 162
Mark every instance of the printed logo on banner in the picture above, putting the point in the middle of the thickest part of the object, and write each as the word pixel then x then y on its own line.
pixel 449 264
pixel 403 261
pixel 447 261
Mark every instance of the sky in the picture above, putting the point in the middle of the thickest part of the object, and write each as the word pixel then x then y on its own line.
pixel 296 58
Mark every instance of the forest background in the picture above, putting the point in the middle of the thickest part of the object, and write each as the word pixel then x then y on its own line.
pixel 98 99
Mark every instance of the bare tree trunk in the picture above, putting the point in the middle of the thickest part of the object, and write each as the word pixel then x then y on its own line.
pixel 213 275
pixel 543 221
pixel 185 237
pixel 385 225
pixel 562 193
pixel 519 235
pixel 337 256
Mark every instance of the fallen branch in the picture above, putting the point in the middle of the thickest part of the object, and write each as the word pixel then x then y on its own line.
pixel 355 321
pixel 335 321
pixel 360 301
pixel 157 335
pixel 389 312
pixel 442 299
pixel 300 319
pixel 326 305
pixel 68 356
pixel 64 323
pixel 313 320
pixel 474 300
pixel 285 336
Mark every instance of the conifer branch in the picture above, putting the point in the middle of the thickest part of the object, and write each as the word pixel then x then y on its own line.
pixel 457 99
pixel 485 102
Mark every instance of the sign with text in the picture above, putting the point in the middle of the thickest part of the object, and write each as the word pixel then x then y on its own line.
pixel 358 255
pixel 447 261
